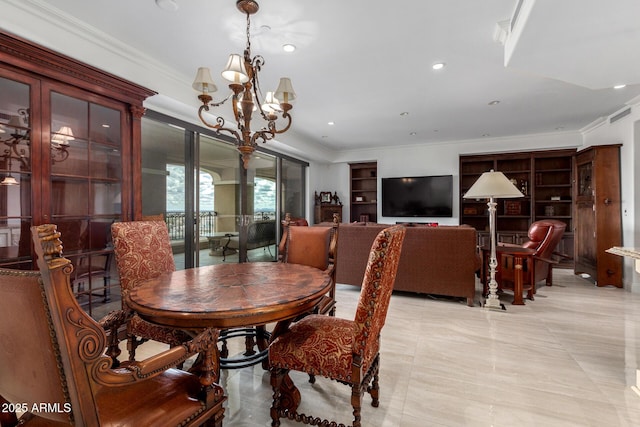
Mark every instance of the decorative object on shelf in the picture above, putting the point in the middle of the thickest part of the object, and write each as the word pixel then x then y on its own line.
pixel 242 71
pixel 512 207
pixel 327 206
pixel 555 198
pixel 524 187
pixel 326 197
pixel 493 185
pixel 470 211
pixel 549 211
pixel 359 198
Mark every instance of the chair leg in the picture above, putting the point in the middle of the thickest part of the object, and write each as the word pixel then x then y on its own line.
pixel 277 376
pixel 132 343
pixel 356 402
pixel 374 390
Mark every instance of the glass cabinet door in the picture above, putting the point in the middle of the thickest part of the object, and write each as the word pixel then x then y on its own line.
pixel 85 158
pixel 15 171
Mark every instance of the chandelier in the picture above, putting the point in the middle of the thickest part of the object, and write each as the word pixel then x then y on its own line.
pixel 18 144
pixel 18 133
pixel 246 97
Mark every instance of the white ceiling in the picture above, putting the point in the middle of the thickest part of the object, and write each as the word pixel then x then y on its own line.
pixel 360 63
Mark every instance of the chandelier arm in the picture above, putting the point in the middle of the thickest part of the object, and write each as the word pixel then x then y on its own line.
pixel 217 104
pixel 264 135
pixel 285 115
pixel 231 132
pixel 62 154
pixel 219 120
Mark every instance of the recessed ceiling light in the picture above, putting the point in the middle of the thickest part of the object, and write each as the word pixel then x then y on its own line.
pixel 106 125
pixel 486 134
pixel 404 113
pixel 169 5
pixel 331 123
pixel 619 86
pixel 413 133
pixel 325 136
pixel 438 66
pixel 494 102
pixel 288 47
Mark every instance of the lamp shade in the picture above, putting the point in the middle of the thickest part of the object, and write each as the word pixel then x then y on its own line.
pixel 9 180
pixel 203 81
pixel 492 184
pixel 16 121
pixel 235 71
pixel 270 104
pixel 285 92
pixel 63 136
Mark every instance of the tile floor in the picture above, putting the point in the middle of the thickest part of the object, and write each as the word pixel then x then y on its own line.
pixel 569 358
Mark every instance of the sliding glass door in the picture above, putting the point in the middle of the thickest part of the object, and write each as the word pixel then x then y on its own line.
pixel 215 210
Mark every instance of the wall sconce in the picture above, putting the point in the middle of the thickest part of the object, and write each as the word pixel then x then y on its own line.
pixel 60 143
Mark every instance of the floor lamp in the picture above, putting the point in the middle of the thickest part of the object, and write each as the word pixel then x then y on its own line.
pixel 492 185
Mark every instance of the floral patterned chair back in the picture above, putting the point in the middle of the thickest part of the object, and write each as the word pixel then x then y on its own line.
pixel 143 251
pixel 344 350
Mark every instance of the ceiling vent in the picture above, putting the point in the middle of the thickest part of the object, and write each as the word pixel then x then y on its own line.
pixel 620 115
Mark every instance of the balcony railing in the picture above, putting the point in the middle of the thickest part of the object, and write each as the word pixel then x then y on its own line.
pixel 206 222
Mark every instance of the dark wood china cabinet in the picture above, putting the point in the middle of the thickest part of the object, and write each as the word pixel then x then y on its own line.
pixel 69 155
pixel 598 214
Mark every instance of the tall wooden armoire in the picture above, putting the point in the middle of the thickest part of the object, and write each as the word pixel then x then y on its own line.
pixel 598 219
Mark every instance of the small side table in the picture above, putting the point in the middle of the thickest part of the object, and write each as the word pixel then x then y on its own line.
pixel 216 245
pixel 518 253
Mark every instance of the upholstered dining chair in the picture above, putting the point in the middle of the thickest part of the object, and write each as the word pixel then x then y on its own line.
pixel 544 237
pixel 143 251
pixel 347 351
pixel 55 371
pixel 316 247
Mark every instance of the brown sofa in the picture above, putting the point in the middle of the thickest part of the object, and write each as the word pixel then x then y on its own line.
pixel 435 260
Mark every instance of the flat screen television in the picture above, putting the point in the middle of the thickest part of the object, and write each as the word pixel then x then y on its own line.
pixel 418 196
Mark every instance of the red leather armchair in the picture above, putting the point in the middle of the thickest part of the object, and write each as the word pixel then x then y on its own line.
pixel 544 237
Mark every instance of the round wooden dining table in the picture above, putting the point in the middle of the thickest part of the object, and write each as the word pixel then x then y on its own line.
pixel 224 296
pixel 229 295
